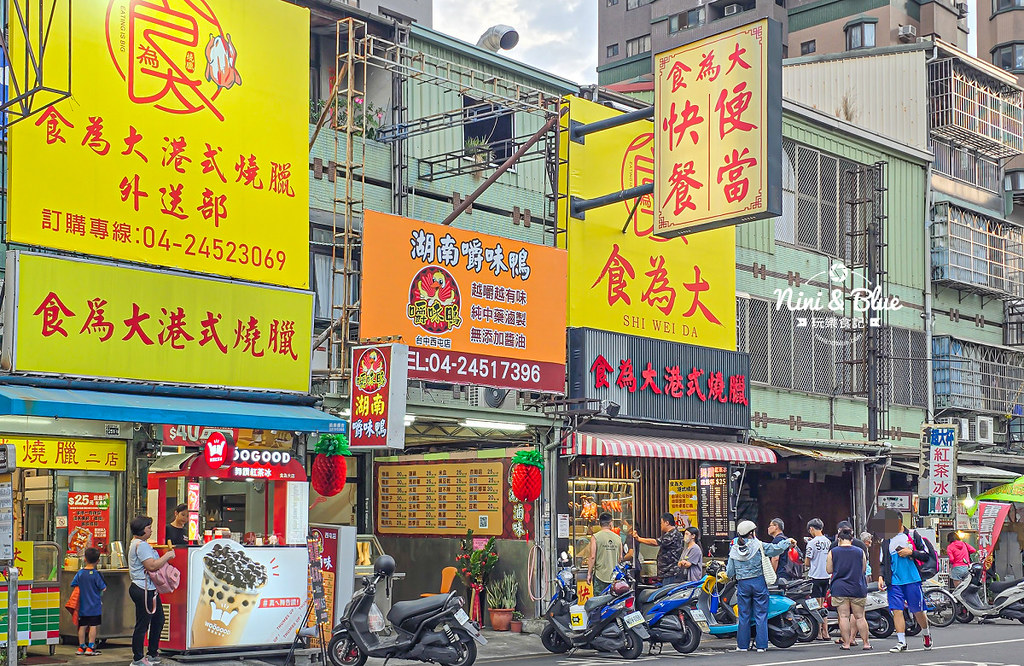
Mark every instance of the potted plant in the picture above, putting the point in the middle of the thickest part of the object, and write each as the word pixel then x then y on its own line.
pixel 501 601
pixel 517 622
pixel 478 149
pixel 474 564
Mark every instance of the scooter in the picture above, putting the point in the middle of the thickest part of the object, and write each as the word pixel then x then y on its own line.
pixel 1008 603
pixel 605 623
pixel 807 607
pixel 433 629
pixel 716 606
pixel 877 614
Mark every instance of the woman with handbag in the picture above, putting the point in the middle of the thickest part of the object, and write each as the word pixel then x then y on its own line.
pixel 149 610
pixel 750 564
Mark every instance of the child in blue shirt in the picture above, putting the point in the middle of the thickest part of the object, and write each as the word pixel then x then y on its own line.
pixel 90 586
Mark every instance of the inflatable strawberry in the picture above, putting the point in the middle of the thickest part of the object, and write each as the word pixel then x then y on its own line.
pixel 526 475
pixel 329 467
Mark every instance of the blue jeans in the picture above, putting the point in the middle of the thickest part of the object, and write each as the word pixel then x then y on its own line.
pixel 752 599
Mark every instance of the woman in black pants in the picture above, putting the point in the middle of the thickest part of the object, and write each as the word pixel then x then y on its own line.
pixel 149 610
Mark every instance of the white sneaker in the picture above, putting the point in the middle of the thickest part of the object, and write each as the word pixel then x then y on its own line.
pixel 762 649
pixel 739 649
pixel 899 647
pixel 154 660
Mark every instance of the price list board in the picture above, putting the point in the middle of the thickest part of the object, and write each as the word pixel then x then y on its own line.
pixel 713 488
pixel 440 498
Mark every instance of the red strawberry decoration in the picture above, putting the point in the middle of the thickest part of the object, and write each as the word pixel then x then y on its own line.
pixel 329 467
pixel 526 475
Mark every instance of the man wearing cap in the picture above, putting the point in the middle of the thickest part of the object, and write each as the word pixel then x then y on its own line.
pixel 751 588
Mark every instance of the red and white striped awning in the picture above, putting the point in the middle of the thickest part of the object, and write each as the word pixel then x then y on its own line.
pixel 598 444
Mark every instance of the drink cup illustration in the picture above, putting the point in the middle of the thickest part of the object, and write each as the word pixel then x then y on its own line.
pixel 231 587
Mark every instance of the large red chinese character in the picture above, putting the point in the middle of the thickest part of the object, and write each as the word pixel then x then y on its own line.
pixel 697 287
pixel 678 75
pixel 673 381
pixel 36 452
pixel 280 175
pixel 53 120
pixel 130 188
pixel 677 124
pixel 94 136
pixel 681 182
pixel 131 141
pixel 940 488
pixel 75 224
pixel 213 206
pixel 601 367
pixel 738 389
pixel 209 332
pixel 67 453
pixel 735 58
pixel 174 330
pixel 281 334
pixel 736 189
pixel 134 324
pixel 122 232
pixel 693 384
pixel 210 163
pixel 716 387
pixel 729 111
pixel 659 294
pixel 626 378
pixel 248 171
pixel 53 311
pixel 616 268
pixel 174 154
pixel 708 68
pixel 96 322
pixel 649 375
pixel 170 201
pixel 249 333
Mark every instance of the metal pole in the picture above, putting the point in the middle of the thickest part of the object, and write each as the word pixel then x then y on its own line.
pixel 578 130
pixel 12 616
pixel 578 207
pixel 506 165
pixel 860 488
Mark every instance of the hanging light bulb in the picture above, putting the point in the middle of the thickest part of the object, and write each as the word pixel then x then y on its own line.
pixel 968 501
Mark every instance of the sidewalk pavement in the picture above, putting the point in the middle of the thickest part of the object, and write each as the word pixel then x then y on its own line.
pixel 500 646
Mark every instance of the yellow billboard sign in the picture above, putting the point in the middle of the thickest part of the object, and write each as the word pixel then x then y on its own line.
pixel 631 281
pixel 185 142
pixel 73 317
pixel 718 116
pixel 682 501
pixel 106 455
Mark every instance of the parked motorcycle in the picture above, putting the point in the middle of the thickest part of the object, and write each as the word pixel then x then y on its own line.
pixel 808 612
pixel 606 623
pixel 715 601
pixel 877 614
pixel 1007 604
pixel 433 629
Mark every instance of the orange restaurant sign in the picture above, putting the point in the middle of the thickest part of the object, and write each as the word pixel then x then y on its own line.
pixel 718 139
pixel 473 308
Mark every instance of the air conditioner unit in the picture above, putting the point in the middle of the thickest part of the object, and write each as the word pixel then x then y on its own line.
pixel 963 427
pixel 961 9
pixel 734 8
pixel 492 398
pixel 907 33
pixel 985 429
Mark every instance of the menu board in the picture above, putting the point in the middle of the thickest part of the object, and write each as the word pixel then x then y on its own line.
pixel 440 498
pixel 88 521
pixel 714 500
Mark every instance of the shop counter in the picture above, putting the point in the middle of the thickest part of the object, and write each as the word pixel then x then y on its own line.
pixel 118 607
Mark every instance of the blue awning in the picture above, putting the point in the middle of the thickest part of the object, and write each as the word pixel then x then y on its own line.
pixel 110 406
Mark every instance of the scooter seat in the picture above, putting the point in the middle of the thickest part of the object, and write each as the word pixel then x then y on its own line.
pixel 872 587
pixel 403 610
pixel 647 596
pixel 595 602
pixel 998 587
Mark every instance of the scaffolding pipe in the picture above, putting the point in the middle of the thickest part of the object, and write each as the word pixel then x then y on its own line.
pixel 505 166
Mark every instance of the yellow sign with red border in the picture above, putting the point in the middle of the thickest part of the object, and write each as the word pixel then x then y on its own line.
pixel 185 142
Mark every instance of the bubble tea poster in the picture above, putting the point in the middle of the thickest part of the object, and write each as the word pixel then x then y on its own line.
pixel 240 596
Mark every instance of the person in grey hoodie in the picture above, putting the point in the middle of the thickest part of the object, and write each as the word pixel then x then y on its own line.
pixel 751 588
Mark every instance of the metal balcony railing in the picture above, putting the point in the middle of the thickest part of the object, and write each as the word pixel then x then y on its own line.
pixel 974 253
pixel 970 109
pixel 976 377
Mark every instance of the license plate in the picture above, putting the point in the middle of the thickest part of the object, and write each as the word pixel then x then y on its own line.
pixel 703 626
pixel 461 616
pixel 698 615
pixel 634 619
pixel 813 604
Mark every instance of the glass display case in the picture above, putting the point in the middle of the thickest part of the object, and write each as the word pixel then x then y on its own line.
pixel 588 499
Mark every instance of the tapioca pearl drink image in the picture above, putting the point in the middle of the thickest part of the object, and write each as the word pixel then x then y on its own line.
pixel 232 582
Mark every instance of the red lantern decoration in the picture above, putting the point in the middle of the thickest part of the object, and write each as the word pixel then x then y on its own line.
pixel 329 466
pixel 526 475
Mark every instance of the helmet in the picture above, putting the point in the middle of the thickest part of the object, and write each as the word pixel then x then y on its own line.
pixel 384 566
pixel 745 527
pixel 620 587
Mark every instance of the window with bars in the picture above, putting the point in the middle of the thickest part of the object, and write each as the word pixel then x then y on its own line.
pixel 786 355
pixel 966 165
pixel 814 193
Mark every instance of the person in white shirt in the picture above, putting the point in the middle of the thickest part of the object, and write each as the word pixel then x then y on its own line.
pixel 816 561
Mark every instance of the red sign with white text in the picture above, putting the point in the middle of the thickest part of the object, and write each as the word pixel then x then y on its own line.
pixel 379 380
pixel 88 521
pixel 991 516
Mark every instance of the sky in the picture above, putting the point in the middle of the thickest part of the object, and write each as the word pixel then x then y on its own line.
pixel 558 36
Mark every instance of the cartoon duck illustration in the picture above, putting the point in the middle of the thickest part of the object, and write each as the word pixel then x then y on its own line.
pixel 435 289
pixel 220 62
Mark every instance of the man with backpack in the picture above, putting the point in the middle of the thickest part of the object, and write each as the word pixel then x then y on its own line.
pixel 786 568
pixel 907 559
